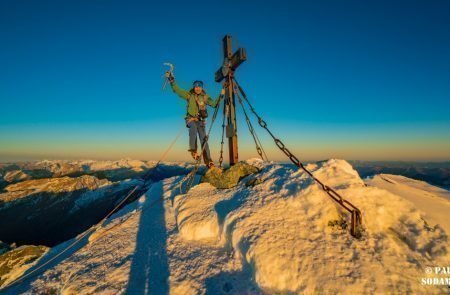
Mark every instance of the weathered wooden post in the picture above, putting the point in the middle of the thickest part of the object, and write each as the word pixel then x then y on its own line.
pixel 230 64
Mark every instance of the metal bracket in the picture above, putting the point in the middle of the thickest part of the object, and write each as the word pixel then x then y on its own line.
pixel 229 130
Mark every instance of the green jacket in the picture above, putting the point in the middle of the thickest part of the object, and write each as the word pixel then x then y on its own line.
pixel 190 96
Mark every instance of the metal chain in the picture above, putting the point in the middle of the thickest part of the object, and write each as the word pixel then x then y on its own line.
pixel 264 152
pixel 225 112
pixel 250 126
pixel 356 213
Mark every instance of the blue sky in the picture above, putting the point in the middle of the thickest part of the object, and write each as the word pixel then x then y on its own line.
pixel 350 79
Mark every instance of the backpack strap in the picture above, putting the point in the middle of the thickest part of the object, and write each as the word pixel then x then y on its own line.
pixel 201 105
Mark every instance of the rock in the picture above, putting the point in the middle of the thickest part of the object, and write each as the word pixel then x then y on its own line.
pixel 338 223
pixel 253 181
pixel 15 262
pixel 230 177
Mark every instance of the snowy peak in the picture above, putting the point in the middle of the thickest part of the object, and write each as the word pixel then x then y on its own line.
pixel 337 173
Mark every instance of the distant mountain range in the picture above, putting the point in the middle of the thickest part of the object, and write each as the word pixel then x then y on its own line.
pixel 436 173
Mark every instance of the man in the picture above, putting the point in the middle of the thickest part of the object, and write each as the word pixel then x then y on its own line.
pixel 197 99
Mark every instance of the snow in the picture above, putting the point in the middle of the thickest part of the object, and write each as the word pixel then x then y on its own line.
pixel 432 200
pixel 275 237
pixel 20 191
pixel 17 260
pixel 15 176
pixel 90 196
pixel 91 165
pixel 195 214
pixel 122 163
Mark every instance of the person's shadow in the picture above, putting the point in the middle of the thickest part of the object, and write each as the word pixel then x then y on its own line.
pixel 149 272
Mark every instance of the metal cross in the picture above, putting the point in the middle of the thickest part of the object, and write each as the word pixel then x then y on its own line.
pixel 230 64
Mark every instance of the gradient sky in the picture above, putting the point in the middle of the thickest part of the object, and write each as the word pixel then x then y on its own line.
pixel 365 80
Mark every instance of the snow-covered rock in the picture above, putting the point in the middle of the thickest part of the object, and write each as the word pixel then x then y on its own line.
pixel 112 170
pixel 279 235
pixel 15 176
pixel 15 262
pixel 18 191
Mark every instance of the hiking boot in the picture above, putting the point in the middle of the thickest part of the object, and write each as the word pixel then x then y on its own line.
pixel 195 155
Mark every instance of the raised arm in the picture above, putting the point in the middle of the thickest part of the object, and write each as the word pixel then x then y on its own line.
pixel 181 92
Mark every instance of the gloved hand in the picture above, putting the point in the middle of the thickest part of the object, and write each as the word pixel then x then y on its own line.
pixel 170 76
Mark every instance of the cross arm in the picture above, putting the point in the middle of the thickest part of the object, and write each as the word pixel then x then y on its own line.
pixel 231 64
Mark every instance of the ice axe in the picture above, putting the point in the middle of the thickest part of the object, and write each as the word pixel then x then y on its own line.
pixel 170 71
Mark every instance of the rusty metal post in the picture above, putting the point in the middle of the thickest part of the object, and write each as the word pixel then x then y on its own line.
pixel 230 64
pixel 232 124
pixel 356 224
pixel 232 127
